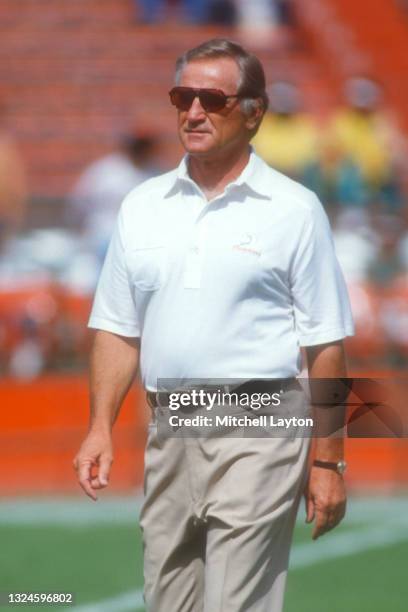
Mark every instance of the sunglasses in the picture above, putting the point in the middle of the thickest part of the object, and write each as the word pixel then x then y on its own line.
pixel 212 100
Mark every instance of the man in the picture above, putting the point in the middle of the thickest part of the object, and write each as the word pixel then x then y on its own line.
pixel 222 268
pixel 96 198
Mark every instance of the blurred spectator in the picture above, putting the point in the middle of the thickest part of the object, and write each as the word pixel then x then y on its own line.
pixel 366 146
pixel 403 251
pixel 13 190
pixel 337 180
pixel 264 12
pixel 222 12
pixel 367 264
pixel 288 137
pixel 369 251
pixel 96 198
pixel 154 11
pixel 357 244
pixel 256 12
pixel 252 14
pixel 388 264
pixel 284 12
pixel 27 360
pixel 394 320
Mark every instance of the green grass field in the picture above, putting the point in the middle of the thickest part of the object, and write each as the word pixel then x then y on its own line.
pixel 95 552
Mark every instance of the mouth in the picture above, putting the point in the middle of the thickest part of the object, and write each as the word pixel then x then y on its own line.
pixel 197 135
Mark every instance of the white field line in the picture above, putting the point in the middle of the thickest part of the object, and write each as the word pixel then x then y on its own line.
pixel 347 543
pixel 303 555
pixel 131 600
pixel 70 511
pixel 111 510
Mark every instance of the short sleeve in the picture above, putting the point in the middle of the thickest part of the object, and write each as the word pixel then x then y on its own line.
pixel 320 300
pixel 114 309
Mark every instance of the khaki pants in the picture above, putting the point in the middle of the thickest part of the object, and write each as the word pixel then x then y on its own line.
pixel 217 521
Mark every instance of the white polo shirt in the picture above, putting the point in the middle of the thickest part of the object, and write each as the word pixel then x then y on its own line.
pixel 230 288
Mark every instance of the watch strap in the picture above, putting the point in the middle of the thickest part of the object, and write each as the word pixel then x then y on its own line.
pixel 328 465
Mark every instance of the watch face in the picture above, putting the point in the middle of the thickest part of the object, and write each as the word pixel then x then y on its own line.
pixel 341 467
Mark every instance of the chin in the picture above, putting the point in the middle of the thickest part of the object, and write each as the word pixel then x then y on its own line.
pixel 196 150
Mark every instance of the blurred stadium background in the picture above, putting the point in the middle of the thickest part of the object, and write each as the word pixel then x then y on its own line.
pixel 84 116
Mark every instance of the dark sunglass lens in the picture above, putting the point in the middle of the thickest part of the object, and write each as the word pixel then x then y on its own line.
pixel 182 99
pixel 212 101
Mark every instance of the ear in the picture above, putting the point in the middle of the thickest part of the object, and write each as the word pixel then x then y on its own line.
pixel 255 115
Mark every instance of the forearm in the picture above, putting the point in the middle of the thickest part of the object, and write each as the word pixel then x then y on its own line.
pixel 325 491
pixel 113 366
pixel 328 362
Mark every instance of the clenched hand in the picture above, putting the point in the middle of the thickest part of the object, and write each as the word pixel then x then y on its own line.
pixel 93 462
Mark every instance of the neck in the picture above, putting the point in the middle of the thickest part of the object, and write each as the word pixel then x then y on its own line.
pixel 213 175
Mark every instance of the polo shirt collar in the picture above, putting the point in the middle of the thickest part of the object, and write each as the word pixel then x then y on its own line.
pixel 252 177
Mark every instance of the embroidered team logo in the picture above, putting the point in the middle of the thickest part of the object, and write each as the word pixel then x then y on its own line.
pixel 247 244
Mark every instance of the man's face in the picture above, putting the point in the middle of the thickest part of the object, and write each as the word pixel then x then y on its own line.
pixel 206 134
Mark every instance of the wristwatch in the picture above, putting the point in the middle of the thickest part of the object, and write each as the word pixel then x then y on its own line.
pixel 339 467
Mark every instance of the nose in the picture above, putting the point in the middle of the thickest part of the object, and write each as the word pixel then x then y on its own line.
pixel 196 111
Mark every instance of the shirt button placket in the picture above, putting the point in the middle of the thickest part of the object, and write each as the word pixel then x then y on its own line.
pixel 194 256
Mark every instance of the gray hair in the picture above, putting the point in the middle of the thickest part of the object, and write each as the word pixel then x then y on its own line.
pixel 252 83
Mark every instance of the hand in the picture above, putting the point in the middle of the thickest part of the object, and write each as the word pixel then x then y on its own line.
pixel 93 462
pixel 325 497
